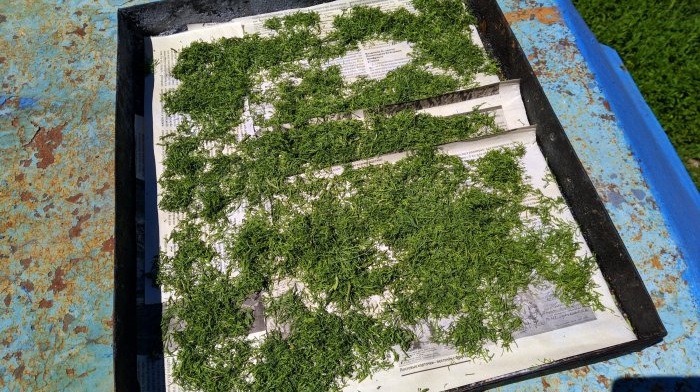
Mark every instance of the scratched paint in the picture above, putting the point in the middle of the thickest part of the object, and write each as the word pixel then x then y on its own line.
pixel 57 195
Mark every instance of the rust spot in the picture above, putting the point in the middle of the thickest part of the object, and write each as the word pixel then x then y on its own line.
pixel 75 198
pixel 2 60
pixel 536 58
pixel 102 77
pixel 8 300
pixel 564 42
pixel 48 207
pixel 668 287
pixel 607 105
pixel 82 179
pixel 19 372
pixel 71 373
pixel 67 320
pixel 108 246
pixel 638 236
pixel 582 371
pixel 14 102
pixel 80 31
pixel 45 303
pixel 46 141
pixel 545 15
pixel 78 13
pixel 57 283
pixel 2 18
pixel 26 262
pixel 545 384
pixel 19 177
pixel 77 229
pixel 658 303
pixel 25 162
pixel 79 329
pixel 608 117
pixel 656 263
pixel 27 196
pixel 27 286
pixel 103 189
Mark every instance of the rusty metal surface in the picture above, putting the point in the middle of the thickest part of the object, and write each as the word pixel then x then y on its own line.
pixel 600 144
pixel 57 71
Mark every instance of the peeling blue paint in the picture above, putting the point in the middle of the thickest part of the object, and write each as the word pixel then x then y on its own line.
pixel 615 198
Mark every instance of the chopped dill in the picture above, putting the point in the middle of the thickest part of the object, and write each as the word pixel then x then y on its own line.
pixel 430 236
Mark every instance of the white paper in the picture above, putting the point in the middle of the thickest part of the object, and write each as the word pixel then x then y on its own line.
pixel 507 106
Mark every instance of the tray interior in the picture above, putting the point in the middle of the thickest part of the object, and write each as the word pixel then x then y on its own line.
pixel 136 23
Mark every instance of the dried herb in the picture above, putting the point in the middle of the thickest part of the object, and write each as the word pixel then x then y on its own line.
pixel 435 238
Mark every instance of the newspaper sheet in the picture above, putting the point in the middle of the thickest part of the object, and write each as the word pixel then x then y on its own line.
pixel 163 51
pixel 551 331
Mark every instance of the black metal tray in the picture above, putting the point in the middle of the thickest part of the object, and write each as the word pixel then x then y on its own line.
pixel 136 23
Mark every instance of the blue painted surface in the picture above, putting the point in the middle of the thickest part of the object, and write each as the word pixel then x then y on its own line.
pixel 57 84
pixel 600 141
pixel 679 199
pixel 57 194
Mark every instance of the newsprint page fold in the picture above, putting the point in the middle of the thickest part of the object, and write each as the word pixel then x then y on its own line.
pixel 551 330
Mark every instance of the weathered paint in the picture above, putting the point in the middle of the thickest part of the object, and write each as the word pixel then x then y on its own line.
pixel 592 127
pixel 57 195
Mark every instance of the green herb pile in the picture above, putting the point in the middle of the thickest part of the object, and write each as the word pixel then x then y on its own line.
pixel 434 237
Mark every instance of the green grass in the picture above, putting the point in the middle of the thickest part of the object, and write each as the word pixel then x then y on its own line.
pixel 659 42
